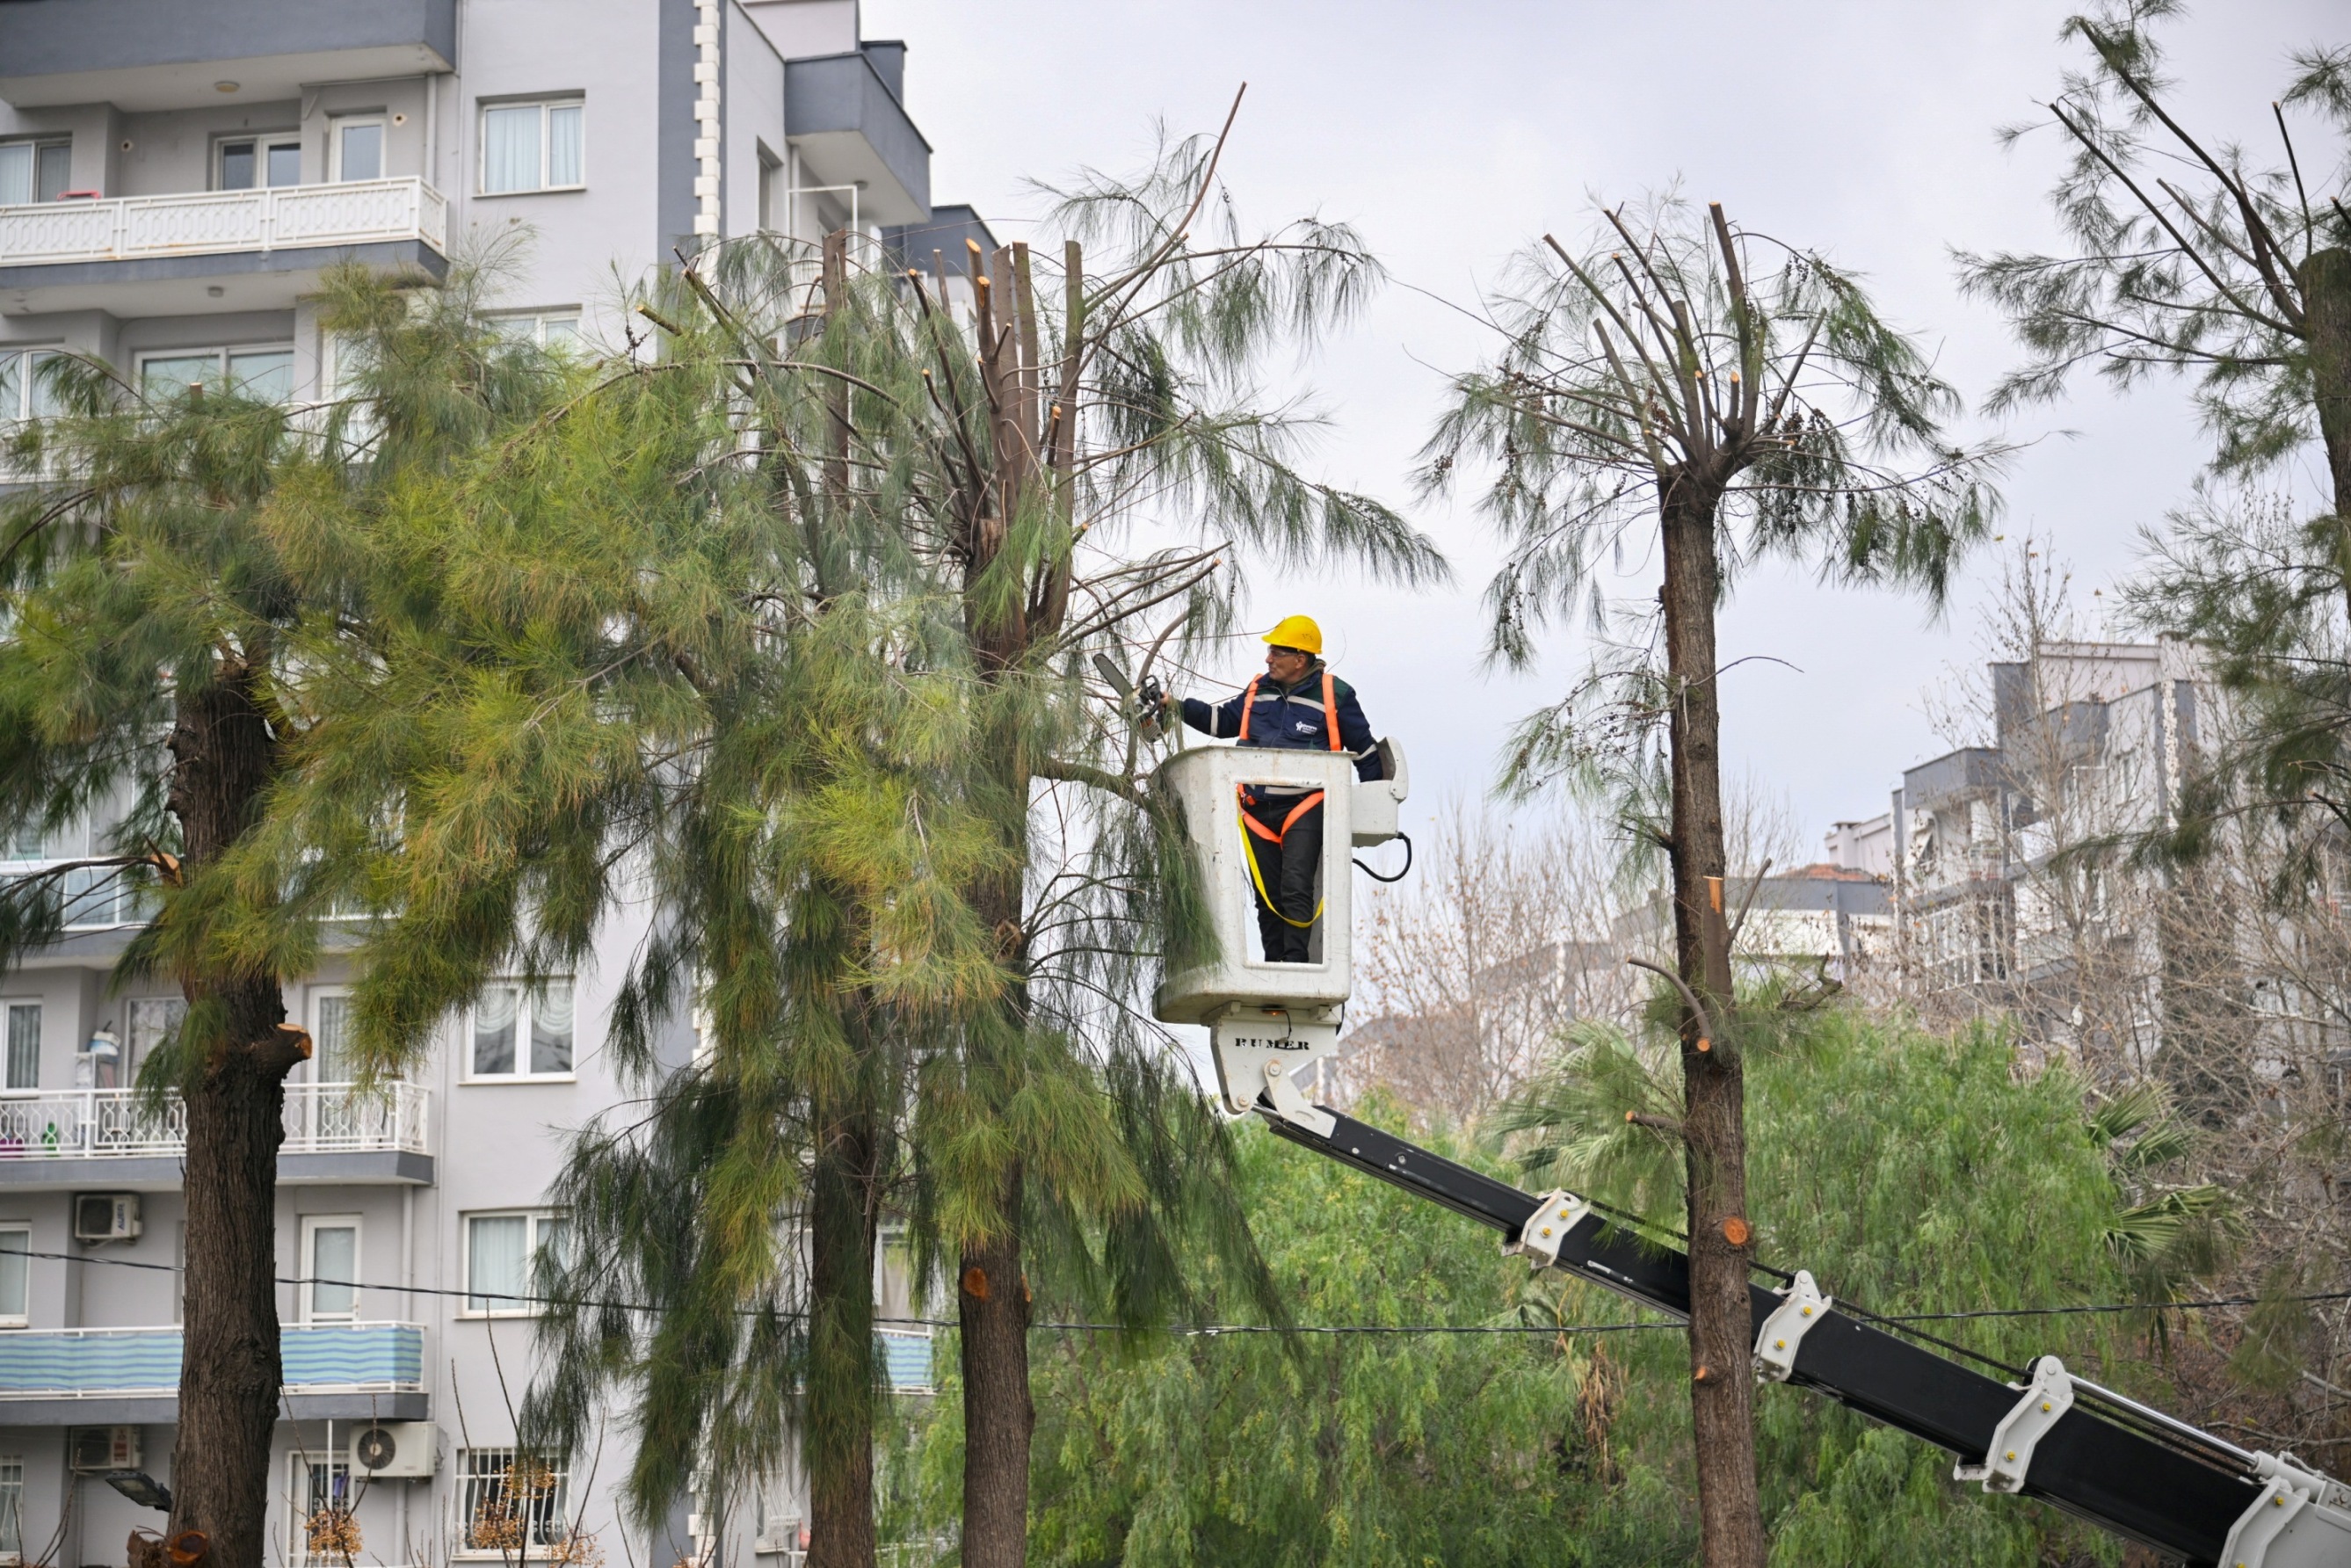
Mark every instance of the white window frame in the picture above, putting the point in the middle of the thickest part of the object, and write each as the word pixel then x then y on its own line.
pixel 315 996
pixel 500 1461
pixel 20 1227
pixel 12 1499
pixel 36 140
pixel 220 352
pixel 297 1492
pixel 340 124
pixel 262 141
pixel 312 1225
pixel 553 100
pixel 538 321
pixel 534 1242
pixel 8 1006
pixel 29 355
pixel 526 1003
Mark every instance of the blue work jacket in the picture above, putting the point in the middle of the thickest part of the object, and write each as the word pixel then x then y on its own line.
pixel 1291 718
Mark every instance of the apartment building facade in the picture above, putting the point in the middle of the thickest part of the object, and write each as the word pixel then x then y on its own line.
pixel 2090 741
pixel 174 181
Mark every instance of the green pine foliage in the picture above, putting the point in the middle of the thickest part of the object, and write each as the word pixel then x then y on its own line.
pixel 1908 1171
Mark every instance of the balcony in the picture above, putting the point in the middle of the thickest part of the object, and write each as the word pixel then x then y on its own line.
pixel 56 1377
pixel 335 1133
pixel 851 131
pixel 906 1354
pixel 204 251
pixel 144 55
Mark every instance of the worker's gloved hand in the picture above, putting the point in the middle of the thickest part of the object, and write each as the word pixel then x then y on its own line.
pixel 1153 704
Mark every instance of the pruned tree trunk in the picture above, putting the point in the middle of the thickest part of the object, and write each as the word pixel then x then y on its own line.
pixel 1713 1083
pixel 2326 279
pixel 224 757
pixel 843 1219
pixel 992 1306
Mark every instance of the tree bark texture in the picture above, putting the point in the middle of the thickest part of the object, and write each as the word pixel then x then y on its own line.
pixel 2326 279
pixel 1713 1085
pixel 223 757
pixel 844 1217
pixel 992 1306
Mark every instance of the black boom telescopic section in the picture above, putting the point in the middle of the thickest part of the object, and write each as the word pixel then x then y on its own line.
pixel 2117 1464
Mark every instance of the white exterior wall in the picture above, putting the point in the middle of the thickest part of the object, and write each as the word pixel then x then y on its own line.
pixel 493 1145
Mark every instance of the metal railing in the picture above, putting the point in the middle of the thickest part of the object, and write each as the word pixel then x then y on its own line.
pixel 218 223
pixel 115 1123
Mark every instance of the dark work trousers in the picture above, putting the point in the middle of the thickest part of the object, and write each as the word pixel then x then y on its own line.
pixel 1288 870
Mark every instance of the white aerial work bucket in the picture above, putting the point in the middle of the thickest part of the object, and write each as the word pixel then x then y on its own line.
pixel 1260 1013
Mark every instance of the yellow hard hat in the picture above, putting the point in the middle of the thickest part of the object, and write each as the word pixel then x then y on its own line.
pixel 1297 632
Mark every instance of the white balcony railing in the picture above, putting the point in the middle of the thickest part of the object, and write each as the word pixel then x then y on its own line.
pixel 112 1124
pixel 218 223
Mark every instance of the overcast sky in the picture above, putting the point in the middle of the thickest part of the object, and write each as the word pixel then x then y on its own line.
pixel 1453 135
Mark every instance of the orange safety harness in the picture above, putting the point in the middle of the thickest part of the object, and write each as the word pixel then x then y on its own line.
pixel 1252 825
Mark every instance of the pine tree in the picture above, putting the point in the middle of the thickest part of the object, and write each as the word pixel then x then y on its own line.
pixel 160 596
pixel 1751 413
pixel 1074 429
pixel 2197 258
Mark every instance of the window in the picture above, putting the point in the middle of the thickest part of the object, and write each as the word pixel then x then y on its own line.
pixel 522 1033
pixel 358 148
pixel 558 328
pixel 321 1495
pixel 24 390
pixel 34 170
pixel 331 1038
pixel 531 147
pixel 248 161
pixel 16 1242
pixel 510 1503
pixel 330 1265
pixel 266 373
pixel 154 1021
pixel 499 1252
pixel 23 1062
pixel 12 1508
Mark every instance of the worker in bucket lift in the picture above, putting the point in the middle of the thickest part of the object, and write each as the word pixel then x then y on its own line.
pixel 1298 705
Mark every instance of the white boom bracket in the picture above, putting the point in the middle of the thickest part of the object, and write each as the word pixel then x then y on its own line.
pixel 1556 1213
pixel 2046 1399
pixel 1800 1309
pixel 2299 1520
pixel 1258 1048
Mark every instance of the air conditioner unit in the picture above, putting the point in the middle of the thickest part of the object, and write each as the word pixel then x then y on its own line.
pixel 392 1449
pixel 104 1449
pixel 105 1217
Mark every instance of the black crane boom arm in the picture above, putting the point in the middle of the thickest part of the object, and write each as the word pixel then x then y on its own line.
pixel 2122 1467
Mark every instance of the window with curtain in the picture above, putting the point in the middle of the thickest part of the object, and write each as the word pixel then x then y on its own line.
pixel 510 1503
pixel 500 1251
pixel 533 146
pixel 331 1042
pixel 34 170
pixel 154 1021
pixel 24 1063
pixel 522 1032
pixel 15 1277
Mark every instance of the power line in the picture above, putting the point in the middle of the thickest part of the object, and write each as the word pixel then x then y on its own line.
pixel 1211 1331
